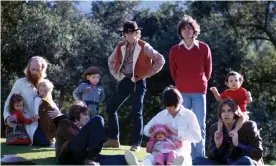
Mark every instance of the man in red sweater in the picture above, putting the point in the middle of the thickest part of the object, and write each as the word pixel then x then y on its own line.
pixel 191 68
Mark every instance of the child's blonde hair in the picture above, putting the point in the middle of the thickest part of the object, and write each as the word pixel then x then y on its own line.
pixel 46 83
pixel 50 86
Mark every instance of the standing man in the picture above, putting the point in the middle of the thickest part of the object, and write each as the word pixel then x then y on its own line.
pixel 191 67
pixel 132 61
pixel 27 87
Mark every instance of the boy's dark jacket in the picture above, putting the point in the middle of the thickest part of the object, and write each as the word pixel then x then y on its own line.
pixel 250 144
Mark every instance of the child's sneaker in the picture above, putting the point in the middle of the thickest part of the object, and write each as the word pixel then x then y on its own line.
pixel 52 145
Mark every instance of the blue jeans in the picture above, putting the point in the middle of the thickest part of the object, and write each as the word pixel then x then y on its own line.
pixel 89 141
pixel 197 103
pixel 137 91
pixel 111 159
pixel 245 160
pixel 40 139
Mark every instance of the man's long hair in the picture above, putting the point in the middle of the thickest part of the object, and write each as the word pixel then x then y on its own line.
pixel 33 78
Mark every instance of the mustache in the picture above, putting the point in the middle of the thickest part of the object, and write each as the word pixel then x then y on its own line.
pixel 34 78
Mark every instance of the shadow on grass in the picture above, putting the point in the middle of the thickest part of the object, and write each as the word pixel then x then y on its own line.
pixel 45 161
pixel 113 149
pixel 20 149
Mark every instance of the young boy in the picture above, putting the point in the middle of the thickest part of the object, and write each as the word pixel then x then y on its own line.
pixel 90 91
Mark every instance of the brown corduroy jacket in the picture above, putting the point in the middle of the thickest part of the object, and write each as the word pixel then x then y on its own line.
pixel 66 132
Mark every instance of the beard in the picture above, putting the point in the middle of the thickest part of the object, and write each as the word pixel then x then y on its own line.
pixel 34 78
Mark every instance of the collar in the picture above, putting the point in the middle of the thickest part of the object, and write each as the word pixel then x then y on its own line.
pixel 181 111
pixel 233 127
pixel 29 84
pixel 134 43
pixel 195 42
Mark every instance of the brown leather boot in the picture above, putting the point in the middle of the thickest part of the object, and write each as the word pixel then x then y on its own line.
pixel 111 143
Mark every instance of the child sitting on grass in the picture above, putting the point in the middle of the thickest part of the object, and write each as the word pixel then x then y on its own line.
pixel 17 134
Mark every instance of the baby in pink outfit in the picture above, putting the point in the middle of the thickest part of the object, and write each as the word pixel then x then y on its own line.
pixel 162 146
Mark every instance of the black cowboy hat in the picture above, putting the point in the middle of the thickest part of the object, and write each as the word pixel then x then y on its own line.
pixel 129 26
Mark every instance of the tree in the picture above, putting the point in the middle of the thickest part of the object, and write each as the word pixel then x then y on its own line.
pixel 253 20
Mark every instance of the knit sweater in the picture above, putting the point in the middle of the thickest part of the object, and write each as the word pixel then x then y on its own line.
pixel 191 69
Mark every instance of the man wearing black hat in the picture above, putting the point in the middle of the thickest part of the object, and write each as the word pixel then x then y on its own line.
pixel 132 61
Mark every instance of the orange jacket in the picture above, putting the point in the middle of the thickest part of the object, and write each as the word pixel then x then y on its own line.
pixel 142 64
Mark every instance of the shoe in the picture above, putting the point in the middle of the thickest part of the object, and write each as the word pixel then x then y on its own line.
pixel 134 148
pixel 178 161
pixel 90 162
pixel 130 158
pixel 111 143
pixel 52 145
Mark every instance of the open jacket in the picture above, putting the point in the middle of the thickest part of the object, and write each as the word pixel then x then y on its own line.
pixel 66 132
pixel 250 144
pixel 146 61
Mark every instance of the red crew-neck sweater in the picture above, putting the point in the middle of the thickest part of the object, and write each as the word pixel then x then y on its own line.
pixel 191 69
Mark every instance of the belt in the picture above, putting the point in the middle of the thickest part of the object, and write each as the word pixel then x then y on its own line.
pixel 91 102
pixel 129 75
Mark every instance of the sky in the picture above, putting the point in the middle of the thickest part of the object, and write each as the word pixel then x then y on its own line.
pixel 85 6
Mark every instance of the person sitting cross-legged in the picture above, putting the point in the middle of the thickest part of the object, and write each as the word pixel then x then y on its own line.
pixel 232 148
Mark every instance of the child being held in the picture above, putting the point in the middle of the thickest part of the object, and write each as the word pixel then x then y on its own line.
pixel 43 105
pixel 17 134
pixel 240 95
pixel 162 146
pixel 90 91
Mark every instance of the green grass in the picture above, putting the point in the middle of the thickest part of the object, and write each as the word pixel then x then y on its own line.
pixel 46 156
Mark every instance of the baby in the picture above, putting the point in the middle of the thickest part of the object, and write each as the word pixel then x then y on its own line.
pixel 162 146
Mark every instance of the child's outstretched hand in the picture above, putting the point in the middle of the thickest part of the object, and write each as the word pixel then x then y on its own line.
pixel 213 89
pixel 178 144
pixel 35 118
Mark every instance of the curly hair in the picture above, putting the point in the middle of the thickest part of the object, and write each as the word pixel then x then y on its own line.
pixel 15 98
pixel 233 73
pixel 188 20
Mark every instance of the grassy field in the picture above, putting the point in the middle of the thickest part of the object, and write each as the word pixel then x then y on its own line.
pixel 46 156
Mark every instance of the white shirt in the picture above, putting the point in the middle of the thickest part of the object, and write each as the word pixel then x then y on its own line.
pixel 185 122
pixel 194 43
